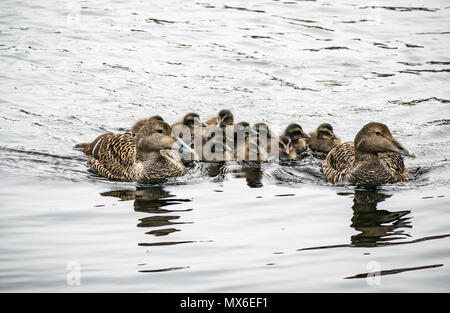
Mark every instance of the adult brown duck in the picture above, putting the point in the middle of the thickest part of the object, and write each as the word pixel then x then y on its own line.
pixel 374 158
pixel 151 155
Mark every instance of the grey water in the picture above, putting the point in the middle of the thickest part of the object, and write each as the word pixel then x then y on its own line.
pixel 72 70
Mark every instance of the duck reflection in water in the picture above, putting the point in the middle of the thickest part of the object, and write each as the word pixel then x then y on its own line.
pixel 251 171
pixel 154 200
pixel 376 226
pixel 253 175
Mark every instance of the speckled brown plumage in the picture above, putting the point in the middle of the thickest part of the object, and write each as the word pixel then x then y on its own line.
pixel 144 157
pixel 373 162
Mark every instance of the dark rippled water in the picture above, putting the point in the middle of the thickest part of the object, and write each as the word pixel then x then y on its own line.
pixel 72 70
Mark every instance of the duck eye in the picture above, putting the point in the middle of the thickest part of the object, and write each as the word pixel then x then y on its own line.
pixel 377 133
pixel 159 131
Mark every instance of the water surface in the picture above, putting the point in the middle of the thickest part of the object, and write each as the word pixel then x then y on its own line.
pixel 75 69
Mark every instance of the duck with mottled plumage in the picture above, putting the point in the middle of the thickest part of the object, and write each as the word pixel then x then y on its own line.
pixel 151 155
pixel 323 138
pixel 374 158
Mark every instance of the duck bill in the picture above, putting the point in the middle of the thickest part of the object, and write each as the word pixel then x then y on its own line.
pixel 182 146
pixel 403 151
pixel 306 136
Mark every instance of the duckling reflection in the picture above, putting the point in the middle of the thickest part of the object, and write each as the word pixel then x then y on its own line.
pixel 252 173
pixel 376 226
pixel 154 200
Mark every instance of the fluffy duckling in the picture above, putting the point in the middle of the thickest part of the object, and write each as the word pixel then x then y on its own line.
pixel 245 145
pixel 151 155
pixel 216 149
pixel 287 151
pixel 265 140
pixel 223 119
pixel 139 124
pixel 190 128
pixel 298 137
pixel 323 139
pixel 373 158
pixel 190 120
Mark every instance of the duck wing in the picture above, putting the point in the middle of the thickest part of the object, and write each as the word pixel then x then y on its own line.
pixel 338 162
pixel 394 163
pixel 112 155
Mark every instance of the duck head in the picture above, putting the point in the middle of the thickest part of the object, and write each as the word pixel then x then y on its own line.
pixel 376 137
pixel 155 135
pixel 225 118
pixel 325 131
pixel 243 130
pixel 156 117
pixel 286 148
pixel 295 131
pixel 137 126
pixel 193 119
pixel 263 131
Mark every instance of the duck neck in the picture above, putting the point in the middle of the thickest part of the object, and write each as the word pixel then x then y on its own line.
pixel 145 156
pixel 370 157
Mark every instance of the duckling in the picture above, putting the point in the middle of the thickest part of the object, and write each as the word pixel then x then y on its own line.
pixel 323 139
pixel 223 119
pixel 190 120
pixel 139 124
pixel 264 140
pixel 287 151
pixel 374 158
pixel 146 157
pixel 216 149
pixel 190 130
pixel 298 137
pixel 245 145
